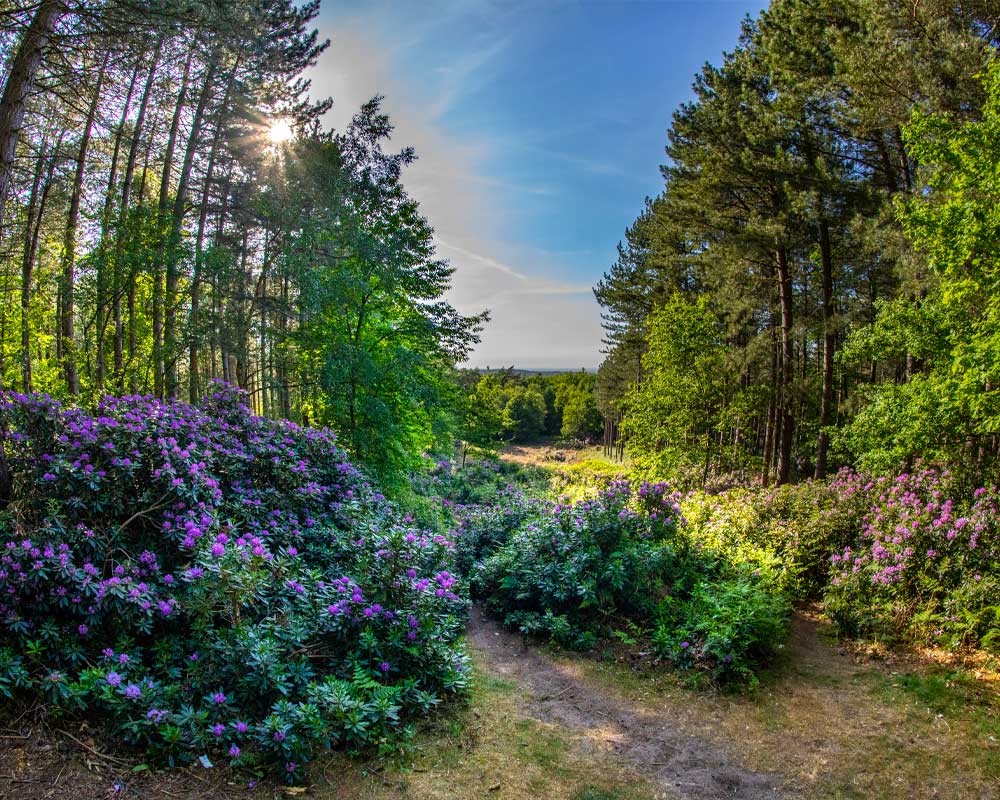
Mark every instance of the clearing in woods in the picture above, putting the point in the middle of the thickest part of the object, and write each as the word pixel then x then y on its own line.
pixel 831 721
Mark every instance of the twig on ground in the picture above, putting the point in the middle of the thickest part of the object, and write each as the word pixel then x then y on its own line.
pixel 55 783
pixel 92 751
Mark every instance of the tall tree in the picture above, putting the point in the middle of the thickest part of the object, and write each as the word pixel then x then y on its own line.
pixel 21 79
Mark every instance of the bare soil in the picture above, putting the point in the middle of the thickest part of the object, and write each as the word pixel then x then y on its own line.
pixel 833 722
pixel 600 719
pixel 40 760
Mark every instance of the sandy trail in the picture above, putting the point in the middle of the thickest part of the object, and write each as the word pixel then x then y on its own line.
pixel 600 720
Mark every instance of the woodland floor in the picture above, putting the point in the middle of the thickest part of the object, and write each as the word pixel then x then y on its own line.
pixel 830 722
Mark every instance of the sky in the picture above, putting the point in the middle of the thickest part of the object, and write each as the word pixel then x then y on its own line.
pixel 539 128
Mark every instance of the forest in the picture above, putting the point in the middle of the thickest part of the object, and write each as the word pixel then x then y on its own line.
pixel 175 212
pixel 266 529
pixel 812 288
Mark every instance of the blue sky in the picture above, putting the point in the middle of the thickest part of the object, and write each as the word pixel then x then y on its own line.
pixel 539 128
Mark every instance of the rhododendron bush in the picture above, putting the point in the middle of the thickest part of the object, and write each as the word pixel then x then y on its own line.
pixel 576 573
pixel 214 584
pixel 926 562
pixel 914 555
pixel 790 530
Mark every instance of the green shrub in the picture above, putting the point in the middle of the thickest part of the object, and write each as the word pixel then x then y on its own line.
pixel 578 573
pixel 477 482
pixel 790 531
pixel 571 569
pixel 729 625
pixel 203 582
pixel 484 529
pixel 585 479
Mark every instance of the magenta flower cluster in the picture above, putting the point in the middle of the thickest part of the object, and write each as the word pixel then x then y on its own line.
pixel 194 568
pixel 920 559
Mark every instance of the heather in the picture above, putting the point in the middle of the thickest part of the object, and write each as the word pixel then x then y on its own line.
pixel 206 583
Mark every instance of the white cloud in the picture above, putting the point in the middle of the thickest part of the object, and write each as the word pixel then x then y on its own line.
pixel 539 319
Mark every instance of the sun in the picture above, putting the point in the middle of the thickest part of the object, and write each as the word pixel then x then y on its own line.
pixel 280 131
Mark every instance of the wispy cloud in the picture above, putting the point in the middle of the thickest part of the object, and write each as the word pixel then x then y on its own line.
pixel 453 249
pixel 463 76
pixel 539 319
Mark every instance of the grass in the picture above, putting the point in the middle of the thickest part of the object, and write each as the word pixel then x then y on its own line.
pixel 952 697
pixel 486 748
pixel 834 724
pixel 557 454
pixel 837 725
pixel 576 472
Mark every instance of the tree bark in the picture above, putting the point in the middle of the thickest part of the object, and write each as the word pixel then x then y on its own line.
pixel 101 313
pixel 770 422
pixel 162 208
pixel 133 153
pixel 176 223
pixel 194 367
pixel 68 276
pixel 20 82
pixel 829 342
pixel 787 419
pixel 31 236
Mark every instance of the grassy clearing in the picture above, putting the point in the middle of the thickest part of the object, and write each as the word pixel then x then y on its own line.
pixel 575 472
pixel 836 723
pixel 556 454
pixel 839 725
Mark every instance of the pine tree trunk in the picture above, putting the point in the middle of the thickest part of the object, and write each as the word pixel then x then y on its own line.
pixel 20 82
pixel 194 367
pixel 176 223
pixel 159 356
pixel 829 342
pixel 286 402
pixel 102 313
pixel 68 277
pixel 32 231
pixel 262 355
pixel 786 418
pixel 770 424
pixel 129 290
pixel 132 290
pixel 194 324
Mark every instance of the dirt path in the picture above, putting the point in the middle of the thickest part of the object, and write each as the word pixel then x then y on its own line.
pixel 601 720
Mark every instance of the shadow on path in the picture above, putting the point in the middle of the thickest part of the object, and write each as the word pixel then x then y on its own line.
pixel 685 766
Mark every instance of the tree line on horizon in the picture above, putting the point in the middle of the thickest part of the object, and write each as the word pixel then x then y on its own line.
pixel 514 405
pixel 814 285
pixel 157 231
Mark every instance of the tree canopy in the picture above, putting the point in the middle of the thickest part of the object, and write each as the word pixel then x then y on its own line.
pixel 827 204
pixel 174 211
